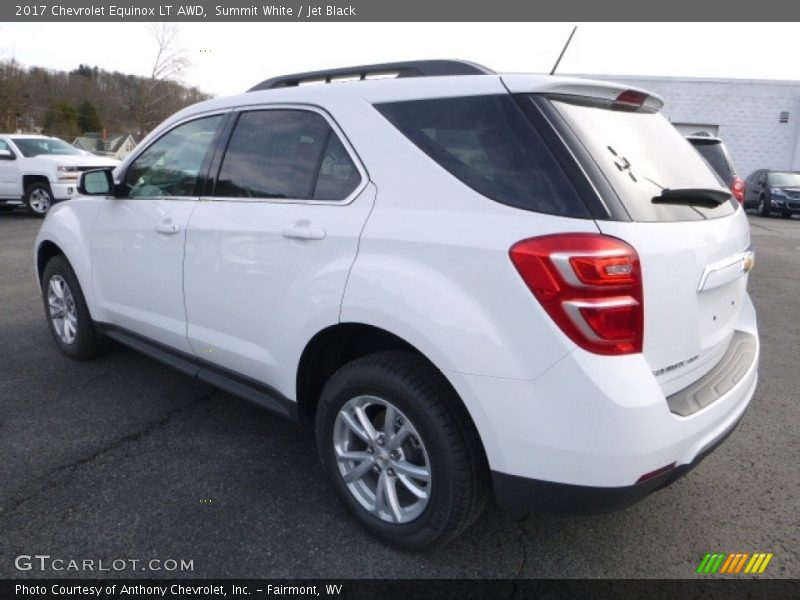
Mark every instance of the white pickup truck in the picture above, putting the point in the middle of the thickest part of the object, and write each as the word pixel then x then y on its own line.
pixel 38 171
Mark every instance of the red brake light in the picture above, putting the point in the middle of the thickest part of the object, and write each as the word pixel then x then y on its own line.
pixel 629 100
pixel 590 285
pixel 738 188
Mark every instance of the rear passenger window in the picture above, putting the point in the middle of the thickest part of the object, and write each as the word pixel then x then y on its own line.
pixel 490 145
pixel 285 154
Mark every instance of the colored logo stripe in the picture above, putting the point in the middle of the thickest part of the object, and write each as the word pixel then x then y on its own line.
pixel 735 562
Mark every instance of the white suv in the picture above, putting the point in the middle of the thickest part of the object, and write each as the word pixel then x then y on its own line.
pixel 37 171
pixel 469 282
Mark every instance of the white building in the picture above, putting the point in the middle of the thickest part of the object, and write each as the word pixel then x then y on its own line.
pixel 759 120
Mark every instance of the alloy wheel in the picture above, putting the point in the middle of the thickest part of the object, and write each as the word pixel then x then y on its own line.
pixel 63 314
pixel 382 459
pixel 39 200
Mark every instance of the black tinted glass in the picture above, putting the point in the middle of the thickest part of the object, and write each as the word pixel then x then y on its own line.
pixel 715 156
pixel 490 145
pixel 171 165
pixel 276 154
pixel 338 176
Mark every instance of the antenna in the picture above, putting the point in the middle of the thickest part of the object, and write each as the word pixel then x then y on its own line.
pixel 563 50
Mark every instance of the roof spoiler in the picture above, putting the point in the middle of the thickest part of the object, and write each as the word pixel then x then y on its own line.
pixel 586 91
pixel 414 68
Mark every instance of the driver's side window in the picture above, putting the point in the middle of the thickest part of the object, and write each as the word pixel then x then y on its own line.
pixel 171 165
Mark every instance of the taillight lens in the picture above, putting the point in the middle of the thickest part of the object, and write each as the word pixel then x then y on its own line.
pixel 590 285
pixel 629 100
pixel 738 188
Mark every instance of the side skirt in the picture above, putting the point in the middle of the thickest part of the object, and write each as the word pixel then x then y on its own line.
pixel 224 379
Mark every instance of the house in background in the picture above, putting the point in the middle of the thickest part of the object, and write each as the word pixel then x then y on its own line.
pixel 114 145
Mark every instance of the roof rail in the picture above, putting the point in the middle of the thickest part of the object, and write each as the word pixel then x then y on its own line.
pixel 414 68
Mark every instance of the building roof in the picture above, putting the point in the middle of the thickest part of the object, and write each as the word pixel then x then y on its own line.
pixel 94 142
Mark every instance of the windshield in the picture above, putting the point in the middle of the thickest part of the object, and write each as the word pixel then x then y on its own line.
pixel 641 154
pixel 37 146
pixel 784 179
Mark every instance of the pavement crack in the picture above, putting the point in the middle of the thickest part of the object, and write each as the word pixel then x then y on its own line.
pixel 41 481
pixel 515 590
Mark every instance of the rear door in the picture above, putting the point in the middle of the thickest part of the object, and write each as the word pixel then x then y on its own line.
pixel 269 248
pixel 694 259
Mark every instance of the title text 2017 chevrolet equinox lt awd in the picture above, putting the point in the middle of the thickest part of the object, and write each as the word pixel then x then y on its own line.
pixel 470 282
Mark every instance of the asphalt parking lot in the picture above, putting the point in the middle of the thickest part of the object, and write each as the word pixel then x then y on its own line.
pixel 124 458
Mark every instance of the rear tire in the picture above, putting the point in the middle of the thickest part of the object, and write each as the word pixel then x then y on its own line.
pixel 38 198
pixel 418 492
pixel 763 209
pixel 70 323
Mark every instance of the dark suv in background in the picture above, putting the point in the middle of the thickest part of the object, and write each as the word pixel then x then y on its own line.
pixel 773 191
pixel 716 155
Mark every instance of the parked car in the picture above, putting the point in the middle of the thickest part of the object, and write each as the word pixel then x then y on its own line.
pixel 469 282
pixel 36 171
pixel 774 191
pixel 713 150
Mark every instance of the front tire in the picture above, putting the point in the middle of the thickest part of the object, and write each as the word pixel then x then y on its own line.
pixel 763 207
pixel 38 198
pixel 786 215
pixel 67 315
pixel 400 450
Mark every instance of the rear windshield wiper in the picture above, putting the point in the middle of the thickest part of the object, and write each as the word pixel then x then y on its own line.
pixel 704 197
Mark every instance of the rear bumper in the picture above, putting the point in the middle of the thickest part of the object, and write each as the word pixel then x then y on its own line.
pixel 588 429
pixel 520 495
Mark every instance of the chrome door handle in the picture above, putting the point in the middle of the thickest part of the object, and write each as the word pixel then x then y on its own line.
pixel 168 227
pixel 303 232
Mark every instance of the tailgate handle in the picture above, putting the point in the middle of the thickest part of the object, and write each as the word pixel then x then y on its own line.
pixel 727 270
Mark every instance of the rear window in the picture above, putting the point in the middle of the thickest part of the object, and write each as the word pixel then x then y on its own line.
pixel 640 154
pixel 489 144
pixel 714 154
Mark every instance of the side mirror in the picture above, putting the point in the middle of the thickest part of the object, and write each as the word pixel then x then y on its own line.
pixel 7 155
pixel 98 182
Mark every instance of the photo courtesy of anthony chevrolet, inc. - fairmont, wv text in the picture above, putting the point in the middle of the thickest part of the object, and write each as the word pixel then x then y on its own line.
pixel 410 299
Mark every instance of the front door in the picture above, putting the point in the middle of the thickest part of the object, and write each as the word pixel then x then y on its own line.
pixel 138 241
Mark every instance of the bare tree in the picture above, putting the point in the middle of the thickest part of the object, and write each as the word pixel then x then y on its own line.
pixel 171 61
pixel 168 67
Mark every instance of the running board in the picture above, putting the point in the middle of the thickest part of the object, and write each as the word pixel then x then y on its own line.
pixel 224 379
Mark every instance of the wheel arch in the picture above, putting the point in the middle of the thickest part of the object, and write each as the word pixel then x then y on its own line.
pixel 29 179
pixel 45 251
pixel 337 345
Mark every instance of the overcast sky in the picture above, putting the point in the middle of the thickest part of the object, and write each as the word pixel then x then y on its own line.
pixel 229 58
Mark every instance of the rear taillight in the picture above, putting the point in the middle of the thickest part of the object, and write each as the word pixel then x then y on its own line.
pixel 590 285
pixel 629 100
pixel 737 189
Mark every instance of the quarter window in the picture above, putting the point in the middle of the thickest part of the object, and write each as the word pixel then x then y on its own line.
pixel 291 154
pixel 488 143
pixel 171 165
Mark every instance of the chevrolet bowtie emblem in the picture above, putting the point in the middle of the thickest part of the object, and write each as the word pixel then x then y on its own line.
pixel 748 262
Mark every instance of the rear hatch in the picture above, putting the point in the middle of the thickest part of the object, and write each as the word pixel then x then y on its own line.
pixel 693 247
